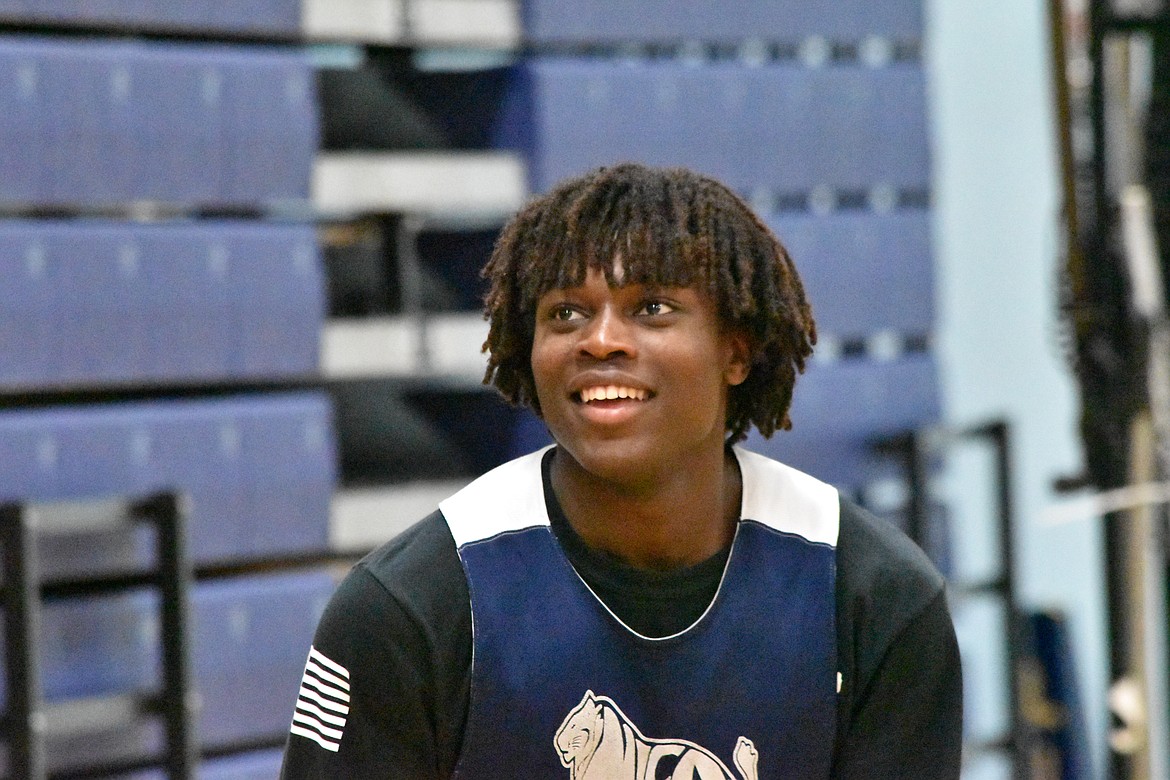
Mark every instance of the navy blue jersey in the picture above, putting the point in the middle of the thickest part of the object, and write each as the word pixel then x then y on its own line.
pixel 560 682
pixel 393 653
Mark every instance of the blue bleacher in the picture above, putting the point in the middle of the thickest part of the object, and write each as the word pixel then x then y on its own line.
pixel 257 765
pixel 251 765
pixel 864 272
pixel 780 127
pixel 260 471
pixel 272 133
pixel 250 636
pixel 730 21
pixel 23 173
pixel 97 123
pixel 181 124
pixel 92 302
pixel 840 410
pixel 259 16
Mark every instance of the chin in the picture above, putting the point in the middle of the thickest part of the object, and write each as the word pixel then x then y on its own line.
pixel 612 459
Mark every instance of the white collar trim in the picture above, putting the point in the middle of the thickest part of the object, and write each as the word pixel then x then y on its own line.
pixel 511 498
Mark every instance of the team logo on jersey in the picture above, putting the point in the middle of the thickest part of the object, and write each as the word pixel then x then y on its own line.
pixel 597 741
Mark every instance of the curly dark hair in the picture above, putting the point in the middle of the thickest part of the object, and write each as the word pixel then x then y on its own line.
pixel 672 227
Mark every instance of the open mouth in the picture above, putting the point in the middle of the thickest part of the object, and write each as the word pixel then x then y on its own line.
pixel 610 393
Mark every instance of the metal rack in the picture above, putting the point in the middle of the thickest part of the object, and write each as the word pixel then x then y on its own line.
pixel 918 449
pixel 29 721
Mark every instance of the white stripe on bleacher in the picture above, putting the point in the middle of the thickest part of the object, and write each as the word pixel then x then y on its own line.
pixel 494 23
pixel 312 719
pixel 363 518
pixel 367 21
pixel 447 344
pixel 419 182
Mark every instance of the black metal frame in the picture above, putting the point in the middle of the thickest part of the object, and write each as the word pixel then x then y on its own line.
pixel 27 717
pixel 916 450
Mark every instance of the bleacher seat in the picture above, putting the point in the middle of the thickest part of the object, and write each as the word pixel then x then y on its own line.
pixel 260 470
pixel 208 16
pixel 98 123
pixel 251 638
pixel 92 302
pixel 718 21
pixel 255 765
pixel 272 132
pixel 779 127
pixel 864 272
pixel 23 170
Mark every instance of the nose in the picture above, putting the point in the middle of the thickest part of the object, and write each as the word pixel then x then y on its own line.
pixel 608 335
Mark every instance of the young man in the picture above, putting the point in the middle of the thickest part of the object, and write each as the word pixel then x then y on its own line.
pixel 644 599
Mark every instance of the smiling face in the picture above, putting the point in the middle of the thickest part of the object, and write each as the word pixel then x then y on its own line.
pixel 632 380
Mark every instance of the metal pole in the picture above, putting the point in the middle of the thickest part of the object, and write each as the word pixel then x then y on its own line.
pixel 26 714
pixel 179 707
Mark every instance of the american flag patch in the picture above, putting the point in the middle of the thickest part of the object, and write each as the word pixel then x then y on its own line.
pixel 323 703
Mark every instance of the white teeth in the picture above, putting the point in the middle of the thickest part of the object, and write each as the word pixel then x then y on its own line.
pixel 611 392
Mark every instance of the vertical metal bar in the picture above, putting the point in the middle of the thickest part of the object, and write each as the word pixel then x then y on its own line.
pixel 1120 766
pixel 175 577
pixel 918 501
pixel 22 598
pixel 1000 435
pixel 1098 15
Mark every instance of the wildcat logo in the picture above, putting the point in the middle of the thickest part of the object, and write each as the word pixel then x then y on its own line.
pixel 596 741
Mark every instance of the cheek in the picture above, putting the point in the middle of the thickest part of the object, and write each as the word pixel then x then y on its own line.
pixel 544 361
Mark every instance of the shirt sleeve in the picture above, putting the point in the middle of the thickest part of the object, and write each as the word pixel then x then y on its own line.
pixel 908 720
pixel 363 707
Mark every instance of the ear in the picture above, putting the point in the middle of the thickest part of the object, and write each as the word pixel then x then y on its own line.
pixel 738 361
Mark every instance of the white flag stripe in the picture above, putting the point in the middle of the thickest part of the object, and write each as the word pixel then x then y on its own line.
pixel 314 710
pixel 327 676
pixel 328 704
pixel 320 740
pixel 328 690
pixel 316 655
pixel 300 717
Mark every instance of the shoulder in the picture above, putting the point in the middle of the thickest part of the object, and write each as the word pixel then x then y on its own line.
pixel 419 570
pixel 900 705
pixel 410 590
pixel 876 561
pixel 888 592
pixel 398 630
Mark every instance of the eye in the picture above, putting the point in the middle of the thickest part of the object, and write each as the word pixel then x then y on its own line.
pixel 653 308
pixel 563 312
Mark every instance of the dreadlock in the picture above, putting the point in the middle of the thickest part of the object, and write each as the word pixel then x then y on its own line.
pixel 672 227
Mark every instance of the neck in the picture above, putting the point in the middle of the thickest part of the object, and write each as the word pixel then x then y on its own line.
pixel 676 519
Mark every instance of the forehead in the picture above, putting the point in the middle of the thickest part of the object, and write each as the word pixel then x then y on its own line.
pixel 621 269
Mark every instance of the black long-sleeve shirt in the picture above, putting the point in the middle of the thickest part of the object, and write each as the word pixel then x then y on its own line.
pixel 400 625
